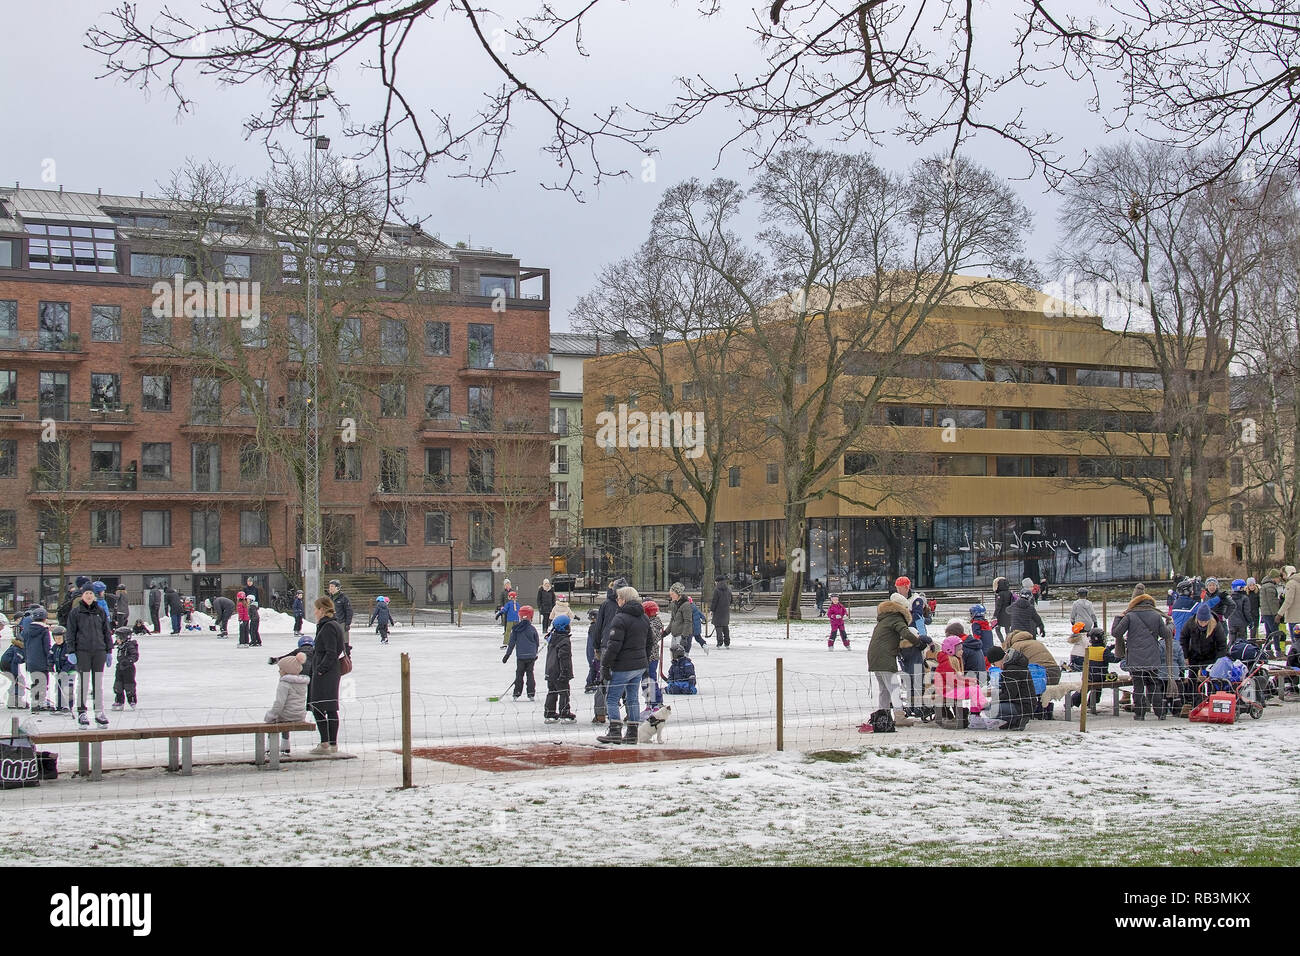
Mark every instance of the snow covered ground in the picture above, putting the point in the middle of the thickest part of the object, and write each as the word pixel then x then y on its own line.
pixel 963 796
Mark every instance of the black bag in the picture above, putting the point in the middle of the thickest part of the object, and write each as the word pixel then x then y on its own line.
pixel 18 764
pixel 49 764
pixel 952 717
pixel 882 722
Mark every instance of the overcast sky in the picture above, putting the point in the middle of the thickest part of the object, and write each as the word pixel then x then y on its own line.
pixel 103 134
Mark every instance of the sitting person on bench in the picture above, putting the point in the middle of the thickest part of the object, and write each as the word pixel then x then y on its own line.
pixel 290 705
pixel 1035 652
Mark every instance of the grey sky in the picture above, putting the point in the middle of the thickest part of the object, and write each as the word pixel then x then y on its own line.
pixel 101 133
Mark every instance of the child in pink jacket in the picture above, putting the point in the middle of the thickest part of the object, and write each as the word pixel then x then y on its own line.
pixel 241 610
pixel 837 612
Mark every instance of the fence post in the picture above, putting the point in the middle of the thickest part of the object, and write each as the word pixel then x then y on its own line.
pixel 406 722
pixel 780 703
pixel 1104 625
pixel 1083 694
pixel 460 612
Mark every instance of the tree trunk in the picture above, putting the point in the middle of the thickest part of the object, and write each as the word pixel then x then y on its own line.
pixel 794 525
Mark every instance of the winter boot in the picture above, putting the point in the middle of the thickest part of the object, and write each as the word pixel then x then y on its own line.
pixel 902 720
pixel 830 645
pixel 629 736
pixel 846 643
pixel 598 719
pixel 614 735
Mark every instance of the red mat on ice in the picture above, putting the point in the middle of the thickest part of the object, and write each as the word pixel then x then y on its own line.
pixel 541 756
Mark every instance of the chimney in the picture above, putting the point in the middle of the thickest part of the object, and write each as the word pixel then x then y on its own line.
pixel 259 209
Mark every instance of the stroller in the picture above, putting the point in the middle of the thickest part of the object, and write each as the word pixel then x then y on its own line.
pixel 1248 682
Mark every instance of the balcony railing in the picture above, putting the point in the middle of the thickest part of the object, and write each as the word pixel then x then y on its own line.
pixel 42 342
pixel 39 409
pixel 48 480
pixel 51 479
pixel 481 358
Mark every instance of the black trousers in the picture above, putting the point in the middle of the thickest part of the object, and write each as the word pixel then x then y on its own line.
pixel 524 670
pixel 326 713
pixel 723 633
pixel 124 687
pixel 557 698
pixel 154 620
pixel 1148 691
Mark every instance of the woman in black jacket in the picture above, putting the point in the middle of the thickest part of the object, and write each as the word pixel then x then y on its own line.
pixel 89 638
pixel 1001 604
pixel 545 603
pixel 323 694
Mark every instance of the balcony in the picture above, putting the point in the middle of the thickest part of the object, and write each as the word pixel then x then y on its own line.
pixel 486 426
pixel 31 412
pixel 488 363
pixel 127 485
pixel 462 486
pixel 51 481
pixel 48 349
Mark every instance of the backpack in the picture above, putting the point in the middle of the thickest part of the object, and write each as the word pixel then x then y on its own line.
pixel 882 722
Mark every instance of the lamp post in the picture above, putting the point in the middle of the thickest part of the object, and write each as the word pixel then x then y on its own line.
pixel 451 578
pixel 40 585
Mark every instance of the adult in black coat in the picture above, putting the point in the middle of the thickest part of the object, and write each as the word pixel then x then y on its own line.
pixel 323 692
pixel 155 603
pixel 1016 695
pixel 342 607
pixel 720 612
pixel 545 603
pixel 625 655
pixel 1002 598
pixel 172 600
pixel 1203 638
pixel 1023 616
pixel 222 609
pixel 89 638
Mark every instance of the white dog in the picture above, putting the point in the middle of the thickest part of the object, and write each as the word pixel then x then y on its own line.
pixel 653 725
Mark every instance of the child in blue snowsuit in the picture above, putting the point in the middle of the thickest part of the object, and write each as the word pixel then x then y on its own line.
pixel 381 617
pixel 510 613
pixel 697 626
pixel 63 664
pixel 681 674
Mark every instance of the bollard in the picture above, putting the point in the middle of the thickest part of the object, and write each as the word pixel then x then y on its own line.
pixel 406 722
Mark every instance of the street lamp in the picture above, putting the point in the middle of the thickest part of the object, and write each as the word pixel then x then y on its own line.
pixel 451 578
pixel 40 585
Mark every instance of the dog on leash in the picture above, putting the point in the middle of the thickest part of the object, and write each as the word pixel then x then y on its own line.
pixel 654 724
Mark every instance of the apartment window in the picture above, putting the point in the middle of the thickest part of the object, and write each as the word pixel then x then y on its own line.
pixel 392 400
pixel 634 399
pixel 1207 542
pixel 559 421
pixel 236 266
pixel 437 338
pixel 252 332
pixel 252 462
pixel 156 529
pixel 392 470
pixel 1268 541
pixel 1099 377
pixel 8 254
pixel 961 417
pixel 773 473
pixel 347 463
pixel 1009 467
pixel 252 397
pixel 1237 517
pixel 105 457
pixel 8 529
pixel 960 371
pixel 437 401
pixel 560 459
pixel 1146 380
pixel 961 465
pixel 909 416
pixel 437 467
pixel 497 285
pixel 290 263
pixel 55 320
pixel 71 248
pixel 665 393
pixel 105 323
pixel 205 466
pixel 302 339
pixel 160 267
pixel 611 487
pixel 205 334
pixel 8 388
pixel 53 390
pixel 156 461
pixel 480 535
pixel 482 345
pixel 857 462
pixel 560 495
pixel 733 477
pixel 610 400
pixel 350 343
pixel 205 534
pixel 437 527
pixel 392 341
pixel 9 458
pixel 690 393
pixel 1236 472
pixel 482 470
pixel 155 329
pixel 480 406
pixel 156 393
pixel 432 279
pixel 205 401
pixel 106 529
pixel 254 530
pixel 105 390
pixel 1012 418
pixel 8 318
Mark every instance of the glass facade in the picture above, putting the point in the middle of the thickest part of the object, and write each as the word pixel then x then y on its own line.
pixel 867 554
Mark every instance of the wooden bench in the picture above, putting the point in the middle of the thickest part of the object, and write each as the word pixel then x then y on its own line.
pixel 1098 686
pixel 180 742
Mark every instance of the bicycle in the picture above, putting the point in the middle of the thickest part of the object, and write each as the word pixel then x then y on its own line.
pixel 743 599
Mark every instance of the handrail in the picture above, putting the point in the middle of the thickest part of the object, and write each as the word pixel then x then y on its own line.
pixel 394 579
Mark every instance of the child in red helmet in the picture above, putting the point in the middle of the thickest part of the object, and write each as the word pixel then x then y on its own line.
pixel 650 688
pixel 524 643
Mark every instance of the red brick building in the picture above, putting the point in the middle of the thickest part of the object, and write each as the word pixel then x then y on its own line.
pixel 137 456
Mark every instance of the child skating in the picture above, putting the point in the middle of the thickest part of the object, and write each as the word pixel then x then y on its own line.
pixel 380 618
pixel 837 612
pixel 128 653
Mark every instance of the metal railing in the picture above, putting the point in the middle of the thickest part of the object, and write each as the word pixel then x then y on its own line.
pixel 38 409
pixel 481 358
pixel 391 578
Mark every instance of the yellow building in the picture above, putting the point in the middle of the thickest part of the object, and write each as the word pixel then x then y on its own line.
pixel 995 449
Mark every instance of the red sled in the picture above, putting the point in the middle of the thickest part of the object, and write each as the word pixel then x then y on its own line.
pixel 1216 709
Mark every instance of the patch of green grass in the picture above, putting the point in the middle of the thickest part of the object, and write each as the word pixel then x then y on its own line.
pixel 834 756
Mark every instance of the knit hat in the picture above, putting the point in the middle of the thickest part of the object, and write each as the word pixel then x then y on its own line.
pixel 1082 592
pixel 995 654
pixel 1025 593
pixel 1027 584
pixel 902 582
pixel 678 651
pixel 1250 581
pixel 82 581
pixel 901 601
pixel 1209 581
pixel 677 588
pixel 955 626
pixel 561 623
pixel 1272 573
pixel 1203 613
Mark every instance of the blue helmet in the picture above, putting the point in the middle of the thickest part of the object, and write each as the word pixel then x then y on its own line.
pixel 380 599
pixel 977 610
pixel 1238 584
pixel 307 640
pixel 561 623
pixel 99 587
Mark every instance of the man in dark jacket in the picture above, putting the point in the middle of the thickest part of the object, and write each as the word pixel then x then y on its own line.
pixel 1002 598
pixel 172 601
pixel 65 606
pixel 680 619
pixel 720 611
pixel 625 655
pixel 524 644
pixel 1023 616
pixel 1016 697
pixel 251 592
pixel 819 592
pixel 1138 633
pixel 1203 638
pixel 342 607
pixel 559 672
pixel 155 603
pixel 38 653
pixel 323 691
pixel 222 609
pixel 91 641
